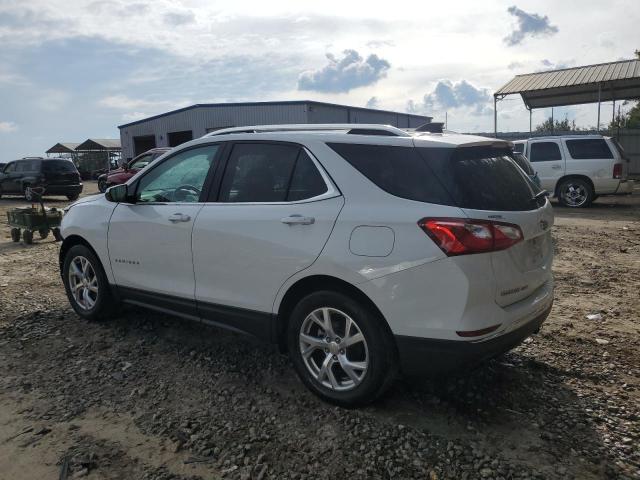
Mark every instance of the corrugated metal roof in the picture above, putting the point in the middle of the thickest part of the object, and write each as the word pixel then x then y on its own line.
pixel 63 147
pixel 569 86
pixel 100 144
pixel 257 104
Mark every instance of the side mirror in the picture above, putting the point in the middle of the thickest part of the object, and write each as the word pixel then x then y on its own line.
pixel 117 193
pixel 124 166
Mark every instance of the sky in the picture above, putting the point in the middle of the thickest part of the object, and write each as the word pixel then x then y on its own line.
pixel 73 69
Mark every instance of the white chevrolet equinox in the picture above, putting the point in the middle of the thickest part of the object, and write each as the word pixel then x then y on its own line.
pixel 359 249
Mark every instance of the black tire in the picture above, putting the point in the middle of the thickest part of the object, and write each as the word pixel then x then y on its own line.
pixel 575 193
pixel 27 237
pixel 44 233
pixel 102 185
pixel 0 192
pixel 104 303
pixel 382 366
pixel 15 234
pixel 73 197
pixel 57 235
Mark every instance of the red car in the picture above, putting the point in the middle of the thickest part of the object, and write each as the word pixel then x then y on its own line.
pixel 128 170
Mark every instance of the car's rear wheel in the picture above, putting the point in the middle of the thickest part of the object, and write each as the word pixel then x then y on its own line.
pixel 341 349
pixel 28 194
pixel 72 197
pixel 86 284
pixel 575 193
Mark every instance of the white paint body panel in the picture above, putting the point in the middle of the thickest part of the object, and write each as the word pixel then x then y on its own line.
pixel 243 253
pixel 148 252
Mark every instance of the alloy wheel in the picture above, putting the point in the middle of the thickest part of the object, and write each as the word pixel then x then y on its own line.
pixel 334 349
pixel 83 283
pixel 574 194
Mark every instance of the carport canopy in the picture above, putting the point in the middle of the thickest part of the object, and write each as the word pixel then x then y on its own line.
pixel 572 86
pixel 66 147
pixel 110 144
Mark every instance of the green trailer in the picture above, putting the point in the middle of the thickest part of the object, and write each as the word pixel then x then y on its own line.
pixel 27 220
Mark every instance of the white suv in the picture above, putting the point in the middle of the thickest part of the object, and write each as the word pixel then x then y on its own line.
pixel 578 168
pixel 360 250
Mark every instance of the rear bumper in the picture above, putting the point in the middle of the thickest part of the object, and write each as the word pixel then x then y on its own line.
pixel 625 187
pixel 423 356
pixel 63 189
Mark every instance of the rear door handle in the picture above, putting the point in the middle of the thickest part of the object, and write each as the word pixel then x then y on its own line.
pixel 179 217
pixel 298 220
pixel 556 167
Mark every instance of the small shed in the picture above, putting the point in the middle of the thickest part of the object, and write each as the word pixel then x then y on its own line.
pixel 97 155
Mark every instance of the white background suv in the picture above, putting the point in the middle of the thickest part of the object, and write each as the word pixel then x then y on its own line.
pixel 361 250
pixel 578 168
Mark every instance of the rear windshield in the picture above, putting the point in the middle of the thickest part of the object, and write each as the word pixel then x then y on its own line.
pixel 479 178
pixel 58 166
pixel 523 163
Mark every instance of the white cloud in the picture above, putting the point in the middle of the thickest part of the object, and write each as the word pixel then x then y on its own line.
pixel 124 102
pixel 8 127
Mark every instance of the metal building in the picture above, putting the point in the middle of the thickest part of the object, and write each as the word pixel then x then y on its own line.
pixel 178 126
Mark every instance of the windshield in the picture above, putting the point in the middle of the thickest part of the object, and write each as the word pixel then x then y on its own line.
pixel 141 162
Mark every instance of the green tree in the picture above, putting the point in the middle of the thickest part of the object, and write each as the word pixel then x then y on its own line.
pixel 630 119
pixel 549 125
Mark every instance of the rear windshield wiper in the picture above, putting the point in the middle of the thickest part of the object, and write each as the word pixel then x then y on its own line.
pixel 540 194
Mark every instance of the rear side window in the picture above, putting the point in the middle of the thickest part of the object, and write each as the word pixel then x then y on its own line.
pixel 518 147
pixel 258 172
pixel 545 152
pixel 58 166
pixel 582 149
pixel 399 171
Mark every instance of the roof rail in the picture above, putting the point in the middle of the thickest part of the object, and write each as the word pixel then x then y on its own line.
pixel 351 128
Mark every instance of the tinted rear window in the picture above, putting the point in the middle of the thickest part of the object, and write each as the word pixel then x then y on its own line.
pixel 523 163
pixel 582 149
pixel 472 177
pixel 399 171
pixel 58 166
pixel 481 178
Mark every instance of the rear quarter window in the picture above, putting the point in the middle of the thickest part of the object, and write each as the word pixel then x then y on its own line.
pixel 399 171
pixel 589 148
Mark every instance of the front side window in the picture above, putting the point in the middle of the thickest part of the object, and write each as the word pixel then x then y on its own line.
pixel 10 168
pixel 179 178
pixel 582 149
pixel 259 172
pixel 545 152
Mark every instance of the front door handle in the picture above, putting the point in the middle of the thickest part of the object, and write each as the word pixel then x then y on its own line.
pixel 179 217
pixel 298 220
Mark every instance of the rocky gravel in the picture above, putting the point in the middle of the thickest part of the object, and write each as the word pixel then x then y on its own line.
pixel 146 396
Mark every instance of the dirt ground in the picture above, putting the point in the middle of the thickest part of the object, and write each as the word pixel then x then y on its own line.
pixel 147 396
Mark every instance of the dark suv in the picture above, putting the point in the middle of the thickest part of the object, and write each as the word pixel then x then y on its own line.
pixel 57 175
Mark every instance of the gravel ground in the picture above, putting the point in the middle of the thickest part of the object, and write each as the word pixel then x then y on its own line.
pixel 153 397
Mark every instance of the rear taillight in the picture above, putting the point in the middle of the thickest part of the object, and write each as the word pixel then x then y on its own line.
pixel 617 170
pixel 461 236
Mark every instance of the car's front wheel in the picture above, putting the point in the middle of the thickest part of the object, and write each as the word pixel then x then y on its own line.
pixel 102 185
pixel 341 349
pixel 86 284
